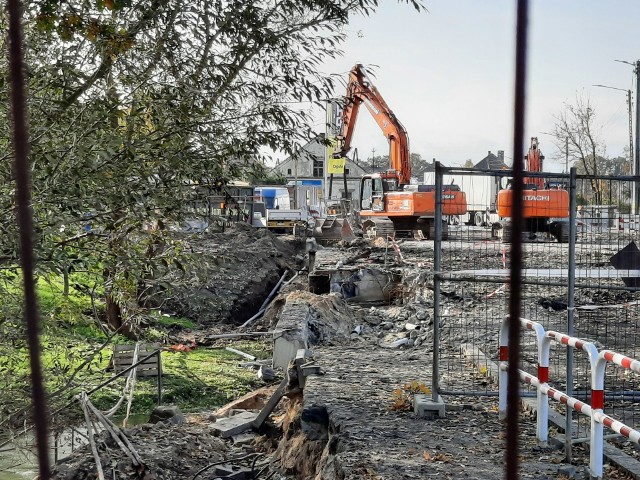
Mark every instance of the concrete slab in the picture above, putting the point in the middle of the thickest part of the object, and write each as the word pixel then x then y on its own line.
pixel 230 426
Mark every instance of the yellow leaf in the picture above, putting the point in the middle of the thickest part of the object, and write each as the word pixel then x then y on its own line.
pixel 427 456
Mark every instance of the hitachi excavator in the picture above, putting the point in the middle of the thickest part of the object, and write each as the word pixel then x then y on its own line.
pixel 388 204
pixel 544 208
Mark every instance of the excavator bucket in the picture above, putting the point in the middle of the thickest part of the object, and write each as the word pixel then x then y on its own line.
pixel 346 232
pixel 333 228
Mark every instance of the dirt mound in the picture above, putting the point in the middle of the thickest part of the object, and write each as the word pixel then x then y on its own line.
pixel 231 274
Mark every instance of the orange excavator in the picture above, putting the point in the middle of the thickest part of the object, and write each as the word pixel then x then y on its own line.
pixel 388 203
pixel 544 208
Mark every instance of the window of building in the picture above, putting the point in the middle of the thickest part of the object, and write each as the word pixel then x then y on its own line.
pixel 288 171
pixel 318 168
pixel 346 171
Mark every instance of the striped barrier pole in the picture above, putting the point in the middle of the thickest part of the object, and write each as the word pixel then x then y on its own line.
pixel 544 346
pixel 502 368
pixel 597 396
pixel 598 362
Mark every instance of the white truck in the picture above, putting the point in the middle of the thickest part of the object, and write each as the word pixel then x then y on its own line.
pixel 272 210
pixel 481 192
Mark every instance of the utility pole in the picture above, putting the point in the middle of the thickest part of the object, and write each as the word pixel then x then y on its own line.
pixel 636 171
pixel 636 163
pixel 373 160
pixel 566 155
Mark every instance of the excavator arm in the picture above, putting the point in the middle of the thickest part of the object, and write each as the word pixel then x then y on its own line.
pixel 360 90
pixel 534 164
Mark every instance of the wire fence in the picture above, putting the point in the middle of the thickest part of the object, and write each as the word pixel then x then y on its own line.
pixel 572 288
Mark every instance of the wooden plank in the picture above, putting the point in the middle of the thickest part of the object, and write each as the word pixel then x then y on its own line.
pixel 123 358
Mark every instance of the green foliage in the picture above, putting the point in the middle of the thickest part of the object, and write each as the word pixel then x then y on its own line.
pixel 134 105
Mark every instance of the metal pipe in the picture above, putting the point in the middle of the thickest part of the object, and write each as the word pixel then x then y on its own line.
pixel 515 294
pixel 571 281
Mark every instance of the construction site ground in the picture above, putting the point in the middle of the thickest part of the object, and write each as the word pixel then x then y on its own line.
pixel 355 419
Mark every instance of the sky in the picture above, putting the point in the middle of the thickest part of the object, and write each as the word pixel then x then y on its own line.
pixel 448 73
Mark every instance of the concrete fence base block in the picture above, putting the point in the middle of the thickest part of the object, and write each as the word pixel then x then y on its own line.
pixel 424 406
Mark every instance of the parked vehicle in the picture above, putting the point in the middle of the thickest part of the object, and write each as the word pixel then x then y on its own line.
pixel 481 192
pixel 272 210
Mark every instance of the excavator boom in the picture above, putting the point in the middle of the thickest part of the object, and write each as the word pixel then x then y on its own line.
pixel 360 90
pixel 388 203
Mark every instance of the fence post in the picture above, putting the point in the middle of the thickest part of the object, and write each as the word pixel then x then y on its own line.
pixel 159 378
pixel 571 283
pixel 437 260
pixel 502 369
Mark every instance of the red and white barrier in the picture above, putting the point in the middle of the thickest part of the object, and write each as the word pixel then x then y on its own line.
pixel 598 361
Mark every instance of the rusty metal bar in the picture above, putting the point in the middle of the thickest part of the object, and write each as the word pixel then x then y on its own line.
pixel 515 294
pixel 25 223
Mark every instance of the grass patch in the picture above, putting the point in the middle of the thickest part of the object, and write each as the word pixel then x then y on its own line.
pixel 202 379
pixel 172 322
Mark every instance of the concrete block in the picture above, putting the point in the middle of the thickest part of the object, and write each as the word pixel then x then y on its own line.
pixel 230 426
pixel 291 334
pixel 425 406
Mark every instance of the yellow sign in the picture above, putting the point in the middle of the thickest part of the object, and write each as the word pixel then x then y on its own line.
pixel 336 165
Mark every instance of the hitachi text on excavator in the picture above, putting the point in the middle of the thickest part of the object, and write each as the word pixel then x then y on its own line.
pixel 389 205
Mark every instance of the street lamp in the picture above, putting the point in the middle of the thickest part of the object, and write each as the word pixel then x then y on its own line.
pixel 636 163
pixel 630 109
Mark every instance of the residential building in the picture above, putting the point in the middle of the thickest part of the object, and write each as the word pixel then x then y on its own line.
pixel 308 168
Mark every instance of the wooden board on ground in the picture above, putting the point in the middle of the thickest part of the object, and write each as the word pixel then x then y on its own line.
pixel 123 358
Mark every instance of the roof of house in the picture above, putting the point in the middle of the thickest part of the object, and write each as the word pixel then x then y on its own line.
pixel 491 162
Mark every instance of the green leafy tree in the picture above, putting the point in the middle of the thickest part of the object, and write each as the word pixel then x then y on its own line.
pixel 135 104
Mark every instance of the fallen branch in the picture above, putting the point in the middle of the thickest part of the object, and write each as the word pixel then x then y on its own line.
pixel 237 335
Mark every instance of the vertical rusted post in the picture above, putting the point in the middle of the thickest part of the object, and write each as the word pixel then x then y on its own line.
pixel 515 294
pixel 25 223
pixel 571 287
pixel 159 378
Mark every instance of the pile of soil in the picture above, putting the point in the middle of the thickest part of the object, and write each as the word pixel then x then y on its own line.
pixel 232 274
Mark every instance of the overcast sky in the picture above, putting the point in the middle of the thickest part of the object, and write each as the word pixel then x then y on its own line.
pixel 448 74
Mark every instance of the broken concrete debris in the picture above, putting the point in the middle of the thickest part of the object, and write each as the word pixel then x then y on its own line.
pixel 308 320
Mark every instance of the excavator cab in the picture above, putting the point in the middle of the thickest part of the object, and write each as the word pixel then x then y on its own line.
pixel 372 193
